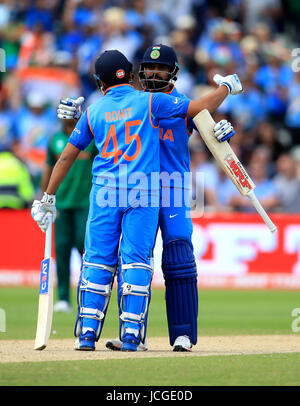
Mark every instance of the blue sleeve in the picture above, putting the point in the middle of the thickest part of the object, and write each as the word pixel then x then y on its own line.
pixel 191 125
pixel 81 135
pixel 166 106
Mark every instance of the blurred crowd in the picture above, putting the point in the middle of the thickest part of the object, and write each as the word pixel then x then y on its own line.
pixel 47 52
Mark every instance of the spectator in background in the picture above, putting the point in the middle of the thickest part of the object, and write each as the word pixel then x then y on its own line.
pixel 181 41
pixel 6 121
pixel 262 155
pixel 292 118
pixel 224 190
pixel 16 188
pixel 256 10
pixel 34 124
pixel 87 51
pixel 40 12
pixel 249 108
pixel 37 47
pixel 204 175
pixel 264 190
pixel 140 17
pixel 287 185
pixel 87 11
pixel 216 50
pixel 71 37
pixel 291 15
pixel 274 78
pixel 118 34
pixel 265 135
pixel 295 153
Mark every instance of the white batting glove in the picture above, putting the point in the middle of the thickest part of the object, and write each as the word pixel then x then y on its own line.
pixel 232 82
pixel 70 109
pixel 40 209
pixel 223 130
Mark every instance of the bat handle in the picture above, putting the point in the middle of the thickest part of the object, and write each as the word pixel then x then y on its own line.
pixel 261 211
pixel 48 242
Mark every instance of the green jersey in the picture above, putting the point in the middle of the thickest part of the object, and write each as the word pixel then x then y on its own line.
pixel 73 192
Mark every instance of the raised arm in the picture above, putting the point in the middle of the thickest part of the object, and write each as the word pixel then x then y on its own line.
pixel 211 102
pixel 227 85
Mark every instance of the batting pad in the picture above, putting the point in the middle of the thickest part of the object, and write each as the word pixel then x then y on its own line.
pixel 180 274
pixel 93 297
pixel 134 292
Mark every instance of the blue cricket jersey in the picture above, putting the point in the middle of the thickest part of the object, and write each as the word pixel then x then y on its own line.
pixel 125 125
pixel 174 149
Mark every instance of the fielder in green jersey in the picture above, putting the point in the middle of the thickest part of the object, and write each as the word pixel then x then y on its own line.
pixel 72 202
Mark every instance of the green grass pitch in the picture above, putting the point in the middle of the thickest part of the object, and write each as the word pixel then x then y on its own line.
pixel 221 312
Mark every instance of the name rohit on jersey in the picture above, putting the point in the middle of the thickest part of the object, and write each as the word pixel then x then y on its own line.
pixel 118 115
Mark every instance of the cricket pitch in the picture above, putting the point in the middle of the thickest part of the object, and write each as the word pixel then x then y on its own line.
pixel 159 347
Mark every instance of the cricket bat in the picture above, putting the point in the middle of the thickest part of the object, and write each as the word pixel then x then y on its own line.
pixel 45 311
pixel 230 163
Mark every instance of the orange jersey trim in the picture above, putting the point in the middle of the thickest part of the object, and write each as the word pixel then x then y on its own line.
pixel 122 84
pixel 186 124
pixel 170 91
pixel 88 117
pixel 150 113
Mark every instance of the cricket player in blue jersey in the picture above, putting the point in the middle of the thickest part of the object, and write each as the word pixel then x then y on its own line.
pixel 158 72
pixel 122 224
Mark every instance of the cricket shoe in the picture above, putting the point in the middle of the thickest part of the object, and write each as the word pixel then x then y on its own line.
pixel 182 344
pixel 62 306
pixel 116 345
pixel 130 342
pixel 86 341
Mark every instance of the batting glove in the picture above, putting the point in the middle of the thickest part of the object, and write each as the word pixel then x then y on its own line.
pixel 223 130
pixel 232 82
pixel 40 209
pixel 70 109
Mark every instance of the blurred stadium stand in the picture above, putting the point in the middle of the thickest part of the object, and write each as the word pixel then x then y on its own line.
pixel 50 46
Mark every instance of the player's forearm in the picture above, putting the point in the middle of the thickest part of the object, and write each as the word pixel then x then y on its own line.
pixel 46 177
pixel 62 167
pixel 211 101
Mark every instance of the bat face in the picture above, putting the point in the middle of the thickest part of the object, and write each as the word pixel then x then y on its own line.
pixel 238 173
pixel 223 153
pixel 229 162
pixel 45 311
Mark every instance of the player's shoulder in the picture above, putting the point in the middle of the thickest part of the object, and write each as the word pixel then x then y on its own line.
pixel 178 94
pixel 96 104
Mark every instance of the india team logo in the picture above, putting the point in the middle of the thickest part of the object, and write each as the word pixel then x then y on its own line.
pixel 155 54
pixel 120 73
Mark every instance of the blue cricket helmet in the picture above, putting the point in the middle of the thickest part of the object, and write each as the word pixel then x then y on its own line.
pixel 162 55
pixel 113 68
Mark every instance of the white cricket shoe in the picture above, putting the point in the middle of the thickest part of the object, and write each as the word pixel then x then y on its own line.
pixel 62 306
pixel 182 343
pixel 116 345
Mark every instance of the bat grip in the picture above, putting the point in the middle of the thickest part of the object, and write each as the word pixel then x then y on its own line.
pixel 261 211
pixel 48 242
